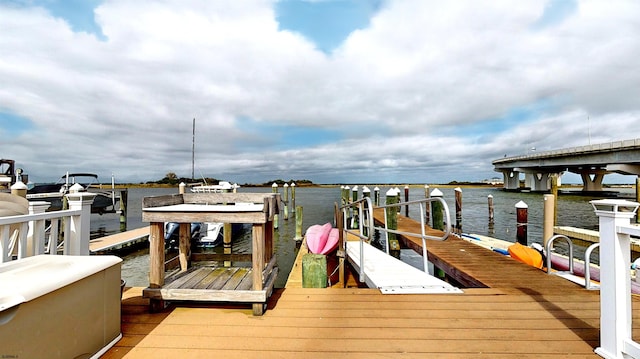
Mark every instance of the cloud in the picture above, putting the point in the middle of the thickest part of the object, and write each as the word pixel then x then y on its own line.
pixel 427 91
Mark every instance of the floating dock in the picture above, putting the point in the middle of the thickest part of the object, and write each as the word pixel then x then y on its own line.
pixel 119 240
pixel 508 310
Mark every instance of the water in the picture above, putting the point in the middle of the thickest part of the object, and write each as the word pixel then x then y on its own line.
pixel 318 204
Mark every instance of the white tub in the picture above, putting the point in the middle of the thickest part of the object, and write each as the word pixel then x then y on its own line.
pixel 59 306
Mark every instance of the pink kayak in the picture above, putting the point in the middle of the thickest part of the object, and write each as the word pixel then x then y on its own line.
pixel 322 239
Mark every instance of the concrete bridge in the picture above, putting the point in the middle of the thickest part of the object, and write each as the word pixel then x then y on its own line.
pixel 591 162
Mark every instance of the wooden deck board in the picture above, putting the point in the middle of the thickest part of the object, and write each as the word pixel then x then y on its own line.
pixel 119 240
pixel 516 311
pixel 364 323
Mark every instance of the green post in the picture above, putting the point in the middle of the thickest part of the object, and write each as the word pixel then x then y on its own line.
pixel 314 271
pixel 436 209
pixel 276 217
pixel 343 195
pixel 392 222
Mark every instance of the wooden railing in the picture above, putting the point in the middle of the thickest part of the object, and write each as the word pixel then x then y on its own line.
pixel 58 232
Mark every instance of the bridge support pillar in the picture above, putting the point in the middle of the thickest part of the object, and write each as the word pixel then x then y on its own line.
pixel 511 179
pixel 592 183
pixel 538 182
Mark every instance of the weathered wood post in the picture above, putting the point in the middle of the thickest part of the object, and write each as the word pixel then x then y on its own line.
pixel 491 209
pixel 293 198
pixel 276 217
pixel 458 198
pixel 314 271
pixel 427 209
pixel 376 196
pixel 124 204
pixel 286 201
pixel 355 221
pixel 554 192
pixel 436 209
pixel 615 287
pixel 298 237
pixel 406 199
pixel 491 214
pixel 344 195
pixel 521 218
pixel 345 201
pixel 393 245
pixel 548 218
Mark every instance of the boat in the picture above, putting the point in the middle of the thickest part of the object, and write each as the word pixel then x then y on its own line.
pixel 53 193
pixel 221 187
pixel 172 233
pixel 212 237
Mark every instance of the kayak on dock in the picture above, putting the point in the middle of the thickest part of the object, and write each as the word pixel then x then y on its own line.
pixel 322 239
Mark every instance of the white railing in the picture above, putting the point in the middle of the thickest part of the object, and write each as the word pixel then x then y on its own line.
pixel 365 227
pixel 28 235
pixel 615 278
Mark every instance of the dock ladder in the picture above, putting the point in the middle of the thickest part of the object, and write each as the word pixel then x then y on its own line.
pixel 570 273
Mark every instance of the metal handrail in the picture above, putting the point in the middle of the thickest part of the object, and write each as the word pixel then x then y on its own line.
pixel 548 247
pixel 587 266
pixel 364 204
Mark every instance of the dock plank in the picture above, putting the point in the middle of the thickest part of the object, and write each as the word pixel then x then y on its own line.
pixel 119 240
pixel 511 311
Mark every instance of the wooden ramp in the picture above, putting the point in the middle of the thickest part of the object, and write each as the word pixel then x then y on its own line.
pixel 391 275
pixel 119 240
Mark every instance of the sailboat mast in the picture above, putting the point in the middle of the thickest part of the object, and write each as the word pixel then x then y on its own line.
pixel 193 148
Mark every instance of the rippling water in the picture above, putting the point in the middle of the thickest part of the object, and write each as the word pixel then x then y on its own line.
pixel 318 204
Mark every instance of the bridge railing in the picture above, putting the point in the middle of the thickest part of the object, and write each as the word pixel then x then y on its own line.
pixel 615 278
pixel 39 232
pixel 609 146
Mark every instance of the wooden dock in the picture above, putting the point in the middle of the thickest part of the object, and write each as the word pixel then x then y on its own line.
pixel 119 240
pixel 507 310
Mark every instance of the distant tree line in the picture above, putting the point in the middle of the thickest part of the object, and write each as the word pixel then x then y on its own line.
pixel 280 182
pixel 172 179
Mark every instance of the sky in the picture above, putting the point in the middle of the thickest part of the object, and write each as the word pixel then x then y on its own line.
pixel 363 91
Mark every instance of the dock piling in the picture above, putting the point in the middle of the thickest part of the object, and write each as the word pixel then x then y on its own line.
pixel 427 210
pixel 521 217
pixel 298 237
pixel 549 214
pixel 458 197
pixel 436 209
pixel 276 217
pixel 406 199
pixel 393 245
pixel 286 201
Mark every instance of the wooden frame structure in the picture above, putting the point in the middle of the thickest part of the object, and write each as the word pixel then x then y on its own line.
pixel 253 285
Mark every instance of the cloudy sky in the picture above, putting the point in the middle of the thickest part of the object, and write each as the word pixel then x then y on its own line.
pixel 409 91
